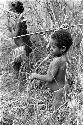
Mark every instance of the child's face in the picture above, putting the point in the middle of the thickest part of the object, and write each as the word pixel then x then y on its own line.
pixel 54 50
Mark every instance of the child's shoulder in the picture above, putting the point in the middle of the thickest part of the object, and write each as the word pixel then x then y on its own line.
pixel 59 60
pixel 55 62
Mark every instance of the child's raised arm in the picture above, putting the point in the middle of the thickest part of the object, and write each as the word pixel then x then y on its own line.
pixel 52 71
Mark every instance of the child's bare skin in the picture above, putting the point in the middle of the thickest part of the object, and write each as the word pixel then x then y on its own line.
pixel 55 76
pixel 59 44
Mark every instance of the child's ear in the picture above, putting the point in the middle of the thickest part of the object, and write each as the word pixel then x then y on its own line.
pixel 63 49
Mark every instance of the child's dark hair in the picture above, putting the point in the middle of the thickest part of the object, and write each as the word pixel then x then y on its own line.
pixel 63 38
pixel 17 7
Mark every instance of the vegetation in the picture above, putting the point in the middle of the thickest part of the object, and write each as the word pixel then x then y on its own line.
pixel 34 106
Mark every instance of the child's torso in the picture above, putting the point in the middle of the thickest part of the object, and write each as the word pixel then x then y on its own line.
pixel 59 80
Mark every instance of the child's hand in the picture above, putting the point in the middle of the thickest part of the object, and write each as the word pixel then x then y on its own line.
pixel 32 76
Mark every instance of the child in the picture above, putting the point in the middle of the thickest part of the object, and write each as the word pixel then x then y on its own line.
pixel 59 44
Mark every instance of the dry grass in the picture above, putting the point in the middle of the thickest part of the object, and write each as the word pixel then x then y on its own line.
pixel 32 106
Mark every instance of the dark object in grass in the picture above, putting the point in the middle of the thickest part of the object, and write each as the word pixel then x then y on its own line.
pixel 17 64
pixel 17 7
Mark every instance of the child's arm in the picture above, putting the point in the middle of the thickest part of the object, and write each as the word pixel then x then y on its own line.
pixel 52 71
pixel 39 77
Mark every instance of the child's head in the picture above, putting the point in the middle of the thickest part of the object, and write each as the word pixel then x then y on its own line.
pixel 60 42
pixel 17 7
